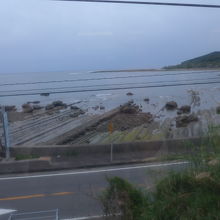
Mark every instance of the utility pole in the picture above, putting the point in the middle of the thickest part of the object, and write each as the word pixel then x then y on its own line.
pixel 6 131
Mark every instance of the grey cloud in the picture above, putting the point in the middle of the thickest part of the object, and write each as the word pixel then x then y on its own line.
pixel 49 35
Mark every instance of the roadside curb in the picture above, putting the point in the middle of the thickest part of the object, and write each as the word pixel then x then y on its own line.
pixel 35 165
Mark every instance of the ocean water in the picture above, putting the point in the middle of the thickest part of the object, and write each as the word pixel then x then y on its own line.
pixel 110 88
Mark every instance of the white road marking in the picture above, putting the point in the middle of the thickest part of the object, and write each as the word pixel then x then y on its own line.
pixel 95 171
pixel 86 217
pixel 6 211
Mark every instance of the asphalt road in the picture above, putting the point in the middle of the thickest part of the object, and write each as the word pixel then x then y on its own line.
pixel 73 193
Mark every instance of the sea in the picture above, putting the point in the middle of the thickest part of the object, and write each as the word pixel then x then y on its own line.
pixel 200 89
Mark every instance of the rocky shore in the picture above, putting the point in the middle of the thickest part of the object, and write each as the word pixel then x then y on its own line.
pixel 34 108
pixel 132 122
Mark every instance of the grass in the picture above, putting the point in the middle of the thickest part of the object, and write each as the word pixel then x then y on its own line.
pixel 192 194
pixel 187 196
pixel 25 157
pixel 171 157
pixel 135 134
pixel 71 154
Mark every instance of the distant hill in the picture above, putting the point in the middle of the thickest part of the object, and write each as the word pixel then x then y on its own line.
pixel 211 60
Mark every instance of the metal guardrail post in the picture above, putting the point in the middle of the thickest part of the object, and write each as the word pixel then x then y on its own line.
pixel 6 131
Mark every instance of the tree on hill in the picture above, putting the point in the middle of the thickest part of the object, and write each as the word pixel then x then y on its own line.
pixel 211 60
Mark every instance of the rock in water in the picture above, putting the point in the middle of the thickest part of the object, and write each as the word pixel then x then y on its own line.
pixel 27 108
pixel 9 108
pixel 74 108
pixel 59 103
pixel 26 105
pixel 95 107
pixel 37 107
pixel 185 109
pixel 171 105
pixel 36 102
pixel 45 94
pixel 146 99
pixel 218 110
pixel 49 107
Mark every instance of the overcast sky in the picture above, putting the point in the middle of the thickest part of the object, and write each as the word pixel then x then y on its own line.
pixel 43 35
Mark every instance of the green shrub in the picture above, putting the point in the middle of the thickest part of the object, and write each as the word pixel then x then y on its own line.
pixel 122 197
pixel 193 194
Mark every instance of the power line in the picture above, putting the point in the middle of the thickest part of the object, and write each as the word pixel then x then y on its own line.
pixel 147 3
pixel 116 84
pixel 116 88
pixel 103 78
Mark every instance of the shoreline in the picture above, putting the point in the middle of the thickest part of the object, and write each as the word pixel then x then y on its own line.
pixel 155 70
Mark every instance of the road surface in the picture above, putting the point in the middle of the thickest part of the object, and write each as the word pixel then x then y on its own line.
pixel 74 193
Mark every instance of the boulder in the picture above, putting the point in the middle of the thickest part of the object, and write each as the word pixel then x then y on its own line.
pixel 81 112
pixel 95 107
pixel 59 104
pixel 179 112
pixel 26 105
pixel 218 110
pixel 37 107
pixel 184 120
pixel 171 105
pixel 45 94
pixel 77 112
pixel 34 102
pixel 49 107
pixel 74 115
pixel 130 109
pixel 74 108
pixel 185 109
pixel 146 99
pixel 28 109
pixel 9 108
pixel 56 104
pixel 102 107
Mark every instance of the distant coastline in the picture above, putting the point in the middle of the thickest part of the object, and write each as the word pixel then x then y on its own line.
pixel 126 70
pixel 154 70
pixel 209 61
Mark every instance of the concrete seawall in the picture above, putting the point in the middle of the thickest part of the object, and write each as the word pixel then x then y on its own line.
pixel 164 146
pixel 58 157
